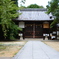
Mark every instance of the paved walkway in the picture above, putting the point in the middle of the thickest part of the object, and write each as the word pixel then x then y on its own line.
pixel 37 50
pixel 5 57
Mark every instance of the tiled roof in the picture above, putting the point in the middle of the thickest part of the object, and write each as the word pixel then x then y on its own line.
pixel 31 15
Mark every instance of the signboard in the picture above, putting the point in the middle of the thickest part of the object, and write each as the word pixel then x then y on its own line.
pixel 45 25
pixel 21 24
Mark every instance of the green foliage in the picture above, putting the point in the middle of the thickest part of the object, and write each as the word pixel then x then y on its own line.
pixel 22 2
pixel 53 7
pixel 22 7
pixel 34 6
pixel 8 11
pixel 13 31
pixel 53 23
pixel 15 1
pixel 2 47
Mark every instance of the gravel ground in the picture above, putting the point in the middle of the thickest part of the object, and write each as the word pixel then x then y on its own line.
pixel 52 43
pixel 11 48
pixel 14 47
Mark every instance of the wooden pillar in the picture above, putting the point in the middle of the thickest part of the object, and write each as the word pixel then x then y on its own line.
pixel 33 30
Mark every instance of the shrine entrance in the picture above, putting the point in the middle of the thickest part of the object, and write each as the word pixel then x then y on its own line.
pixel 33 30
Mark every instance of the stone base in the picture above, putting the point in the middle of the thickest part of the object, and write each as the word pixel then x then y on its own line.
pixel 21 38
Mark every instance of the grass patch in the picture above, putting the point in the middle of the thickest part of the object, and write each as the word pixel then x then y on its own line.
pixel 2 47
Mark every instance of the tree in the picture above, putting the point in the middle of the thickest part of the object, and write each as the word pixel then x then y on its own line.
pixel 15 1
pixel 53 7
pixel 34 6
pixel 23 1
pixel 8 11
pixel 22 7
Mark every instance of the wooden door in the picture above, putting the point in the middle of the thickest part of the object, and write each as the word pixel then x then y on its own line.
pixel 28 31
pixel 33 31
pixel 38 30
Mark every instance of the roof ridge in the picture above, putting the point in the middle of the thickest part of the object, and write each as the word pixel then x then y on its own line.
pixel 33 9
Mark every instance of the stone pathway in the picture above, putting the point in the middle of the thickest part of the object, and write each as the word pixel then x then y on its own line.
pixel 36 50
pixel 5 57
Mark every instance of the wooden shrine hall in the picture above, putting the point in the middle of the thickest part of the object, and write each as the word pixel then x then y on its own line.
pixel 35 22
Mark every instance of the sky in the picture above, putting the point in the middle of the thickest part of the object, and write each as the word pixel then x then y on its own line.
pixel 38 2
